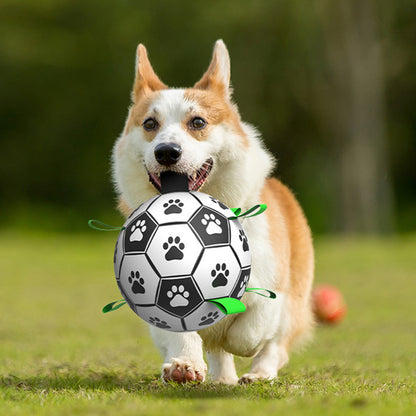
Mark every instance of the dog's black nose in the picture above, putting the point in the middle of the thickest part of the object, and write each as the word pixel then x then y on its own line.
pixel 168 153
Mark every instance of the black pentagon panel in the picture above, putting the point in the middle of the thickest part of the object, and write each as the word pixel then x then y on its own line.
pixel 211 227
pixel 179 297
pixel 241 284
pixel 138 233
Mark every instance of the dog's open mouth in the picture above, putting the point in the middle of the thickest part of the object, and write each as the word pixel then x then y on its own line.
pixel 195 181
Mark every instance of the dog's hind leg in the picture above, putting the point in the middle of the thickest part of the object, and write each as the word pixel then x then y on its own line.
pixel 221 367
pixel 183 358
pixel 266 363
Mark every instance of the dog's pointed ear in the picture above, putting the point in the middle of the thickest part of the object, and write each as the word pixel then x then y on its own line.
pixel 217 77
pixel 146 79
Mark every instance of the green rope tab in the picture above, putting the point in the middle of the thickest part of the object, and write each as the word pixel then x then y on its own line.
pixel 225 305
pixel 113 306
pixel 256 210
pixel 105 227
pixel 229 305
pixel 257 290
pixel 237 211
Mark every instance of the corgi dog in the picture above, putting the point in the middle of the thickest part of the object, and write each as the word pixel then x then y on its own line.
pixel 198 132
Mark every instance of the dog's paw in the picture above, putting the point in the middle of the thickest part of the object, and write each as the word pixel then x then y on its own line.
pixel 226 380
pixel 249 378
pixel 183 370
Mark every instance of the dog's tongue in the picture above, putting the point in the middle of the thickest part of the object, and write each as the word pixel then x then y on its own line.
pixel 173 182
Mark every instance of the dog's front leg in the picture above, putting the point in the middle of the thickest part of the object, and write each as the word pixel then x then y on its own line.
pixel 221 367
pixel 182 352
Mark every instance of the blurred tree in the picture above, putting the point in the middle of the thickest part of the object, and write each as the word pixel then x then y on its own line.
pixel 327 83
pixel 355 115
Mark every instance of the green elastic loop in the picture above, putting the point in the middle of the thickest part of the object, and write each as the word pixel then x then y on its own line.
pixel 228 305
pixel 225 305
pixel 237 211
pixel 106 227
pixel 256 290
pixel 257 209
pixel 113 306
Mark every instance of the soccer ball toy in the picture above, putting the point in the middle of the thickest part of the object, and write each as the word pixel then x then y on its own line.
pixel 176 252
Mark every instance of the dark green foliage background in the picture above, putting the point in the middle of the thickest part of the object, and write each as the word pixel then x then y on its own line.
pixel 66 70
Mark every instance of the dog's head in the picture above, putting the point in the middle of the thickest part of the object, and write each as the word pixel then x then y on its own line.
pixel 195 131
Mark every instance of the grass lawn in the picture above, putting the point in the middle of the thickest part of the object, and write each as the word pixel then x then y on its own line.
pixel 59 355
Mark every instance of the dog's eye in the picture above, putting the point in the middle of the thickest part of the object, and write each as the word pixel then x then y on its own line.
pixel 197 123
pixel 150 124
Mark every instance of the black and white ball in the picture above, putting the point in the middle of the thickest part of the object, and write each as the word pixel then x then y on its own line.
pixel 175 252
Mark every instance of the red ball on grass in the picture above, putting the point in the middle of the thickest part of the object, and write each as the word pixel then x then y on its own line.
pixel 328 304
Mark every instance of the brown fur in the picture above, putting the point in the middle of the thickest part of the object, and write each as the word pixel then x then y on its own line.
pixel 212 80
pixel 145 88
pixel 280 200
pixel 138 113
pixel 215 110
pixel 211 95
pixel 146 79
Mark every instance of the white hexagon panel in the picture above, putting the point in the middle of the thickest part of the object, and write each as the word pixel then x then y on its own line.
pixel 174 250
pixel 239 243
pixel 206 315
pixel 174 207
pixel 217 272
pixel 137 280
pixel 159 318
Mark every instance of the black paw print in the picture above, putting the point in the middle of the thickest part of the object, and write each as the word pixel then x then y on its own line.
pixel 136 282
pixel 209 319
pixel 157 322
pixel 220 273
pixel 175 249
pixel 243 239
pixel 173 206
